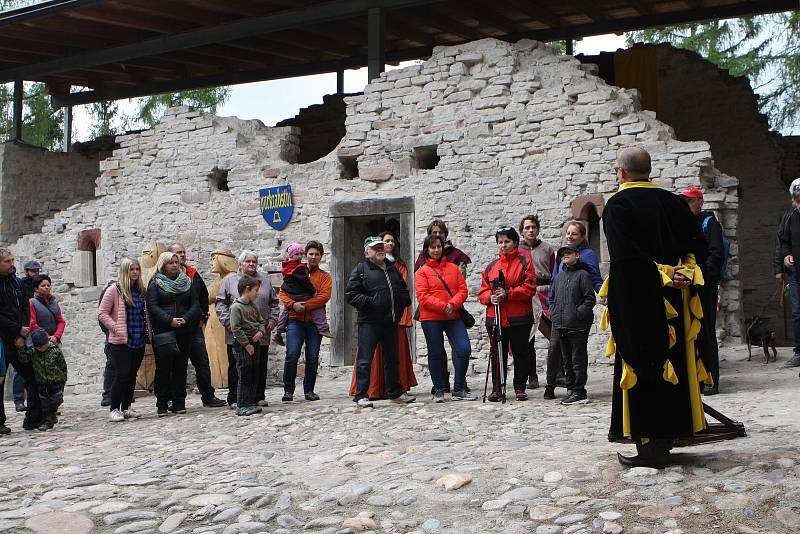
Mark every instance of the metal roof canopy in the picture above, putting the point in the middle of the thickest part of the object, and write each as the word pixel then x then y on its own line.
pixel 130 48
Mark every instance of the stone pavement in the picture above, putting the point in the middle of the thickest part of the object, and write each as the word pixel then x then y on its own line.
pixel 328 467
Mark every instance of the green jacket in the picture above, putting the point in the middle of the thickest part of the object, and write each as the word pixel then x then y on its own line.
pixel 246 321
pixel 49 366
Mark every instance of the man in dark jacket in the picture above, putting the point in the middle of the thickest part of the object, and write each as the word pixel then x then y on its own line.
pixel 14 321
pixel 572 301
pixel 787 248
pixel 199 355
pixel 377 290
pixel 711 265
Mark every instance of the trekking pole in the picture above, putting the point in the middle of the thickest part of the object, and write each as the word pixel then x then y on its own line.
pixel 498 342
pixel 488 368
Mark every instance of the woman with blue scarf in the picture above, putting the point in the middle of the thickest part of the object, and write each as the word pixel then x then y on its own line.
pixel 174 310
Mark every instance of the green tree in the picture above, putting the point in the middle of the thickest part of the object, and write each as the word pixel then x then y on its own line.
pixel 765 48
pixel 41 124
pixel 210 99
pixel 103 114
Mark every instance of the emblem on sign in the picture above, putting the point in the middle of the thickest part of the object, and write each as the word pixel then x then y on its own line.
pixel 277 205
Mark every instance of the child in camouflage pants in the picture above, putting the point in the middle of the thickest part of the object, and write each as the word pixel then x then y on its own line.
pixel 50 369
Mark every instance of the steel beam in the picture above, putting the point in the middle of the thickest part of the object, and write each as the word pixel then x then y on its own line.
pixel 43 10
pixel 18 95
pixel 340 81
pixel 67 128
pixel 376 41
pixel 250 27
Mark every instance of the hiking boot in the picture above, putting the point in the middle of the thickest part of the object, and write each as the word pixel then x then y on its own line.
pixel 311 396
pixel 575 398
pixel 549 392
pixel 533 382
pixel 438 397
pixel 521 395
pixel 116 416
pixel 463 395
pixel 794 361
pixel 243 411
pixel 20 406
pixel 364 403
pixel 494 397
pixel 214 402
pixel 405 398
pixel 287 397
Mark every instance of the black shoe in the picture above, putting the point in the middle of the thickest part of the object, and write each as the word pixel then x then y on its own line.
pixel 20 406
pixel 214 402
pixel 494 397
pixel 105 403
pixel 287 397
pixel 711 390
pixel 549 392
pixel 312 396
pixel 657 461
pixel 162 411
pixel 575 398
pixel 794 361
pixel 533 382
pixel 4 430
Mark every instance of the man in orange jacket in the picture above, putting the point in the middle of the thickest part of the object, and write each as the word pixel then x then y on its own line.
pixel 301 330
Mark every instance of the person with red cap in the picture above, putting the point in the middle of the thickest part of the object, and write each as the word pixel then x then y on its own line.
pixel 712 264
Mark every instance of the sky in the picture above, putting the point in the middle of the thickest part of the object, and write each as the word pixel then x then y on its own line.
pixel 276 100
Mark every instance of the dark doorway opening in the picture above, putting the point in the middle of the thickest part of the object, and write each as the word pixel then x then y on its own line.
pixel 351 223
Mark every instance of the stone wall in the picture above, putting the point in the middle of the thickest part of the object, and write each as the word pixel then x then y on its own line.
pixel 321 127
pixel 480 134
pixel 61 180
pixel 701 101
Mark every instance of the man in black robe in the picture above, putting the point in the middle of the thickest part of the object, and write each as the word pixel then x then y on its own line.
pixel 654 313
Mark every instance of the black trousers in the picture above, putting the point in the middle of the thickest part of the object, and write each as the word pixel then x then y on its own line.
pixel 51 396
pixel 370 335
pixel 554 367
pixel 260 379
pixel 33 415
pixel 576 359
pixel 515 337
pixel 108 374
pixel 124 363
pixel 199 358
pixel 708 299
pixel 247 367
pixel 171 362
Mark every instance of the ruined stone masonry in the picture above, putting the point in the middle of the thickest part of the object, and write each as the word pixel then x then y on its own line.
pixel 480 134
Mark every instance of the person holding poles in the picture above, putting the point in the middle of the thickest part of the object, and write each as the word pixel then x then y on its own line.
pixel 507 287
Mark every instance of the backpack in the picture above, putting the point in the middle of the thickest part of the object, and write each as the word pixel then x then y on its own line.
pixel 726 247
pixel 102 326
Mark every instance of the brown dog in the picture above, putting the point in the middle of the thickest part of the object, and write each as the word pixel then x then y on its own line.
pixel 758 333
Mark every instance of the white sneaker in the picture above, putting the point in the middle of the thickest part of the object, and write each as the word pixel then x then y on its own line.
pixel 405 398
pixel 364 403
pixel 131 414
pixel 116 416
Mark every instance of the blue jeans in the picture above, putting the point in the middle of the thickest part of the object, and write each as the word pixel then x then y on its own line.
pixel 794 293
pixel 299 333
pixel 434 337
pixel 18 386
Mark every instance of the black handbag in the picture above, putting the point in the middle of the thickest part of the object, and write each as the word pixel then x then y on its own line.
pixel 165 338
pixel 466 317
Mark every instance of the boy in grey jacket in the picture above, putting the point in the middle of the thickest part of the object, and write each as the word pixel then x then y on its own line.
pixel 572 305
pixel 248 329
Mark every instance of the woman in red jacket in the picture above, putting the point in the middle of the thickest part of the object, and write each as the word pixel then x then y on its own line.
pixel 441 291
pixel 509 281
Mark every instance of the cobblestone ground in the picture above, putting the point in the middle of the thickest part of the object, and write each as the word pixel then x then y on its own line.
pixel 328 467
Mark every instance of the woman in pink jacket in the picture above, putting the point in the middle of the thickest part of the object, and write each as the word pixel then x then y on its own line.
pixel 122 311
pixel 441 291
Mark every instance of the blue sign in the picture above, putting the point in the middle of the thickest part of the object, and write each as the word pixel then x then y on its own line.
pixel 277 205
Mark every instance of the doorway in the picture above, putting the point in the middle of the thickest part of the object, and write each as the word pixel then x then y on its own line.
pixel 351 222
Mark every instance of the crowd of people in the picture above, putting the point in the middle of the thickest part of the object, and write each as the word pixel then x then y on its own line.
pixel 530 287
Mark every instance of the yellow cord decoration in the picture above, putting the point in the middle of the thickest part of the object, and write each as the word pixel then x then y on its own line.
pixel 628 378
pixel 669 373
